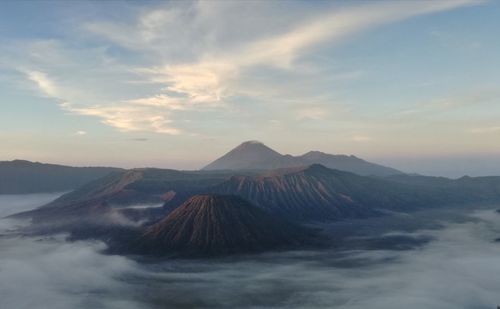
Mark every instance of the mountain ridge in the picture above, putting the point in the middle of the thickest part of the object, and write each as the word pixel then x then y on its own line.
pixel 303 194
pixel 254 155
pixel 23 177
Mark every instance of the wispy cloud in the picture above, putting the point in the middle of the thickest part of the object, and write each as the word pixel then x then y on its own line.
pixel 213 77
pixel 188 70
pixel 133 115
pixel 129 117
pixel 44 83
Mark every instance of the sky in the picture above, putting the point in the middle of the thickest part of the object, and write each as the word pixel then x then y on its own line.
pixel 410 84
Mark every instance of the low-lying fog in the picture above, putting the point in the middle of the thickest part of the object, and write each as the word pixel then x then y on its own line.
pixel 453 264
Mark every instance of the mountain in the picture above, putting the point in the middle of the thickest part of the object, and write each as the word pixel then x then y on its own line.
pixel 124 188
pixel 313 193
pixel 351 164
pixel 301 194
pixel 216 212
pixel 317 193
pixel 22 177
pixel 254 155
pixel 218 224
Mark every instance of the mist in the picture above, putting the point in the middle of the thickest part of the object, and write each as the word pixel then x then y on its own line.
pixel 11 204
pixel 444 264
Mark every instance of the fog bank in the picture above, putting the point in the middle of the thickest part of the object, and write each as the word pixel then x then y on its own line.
pixel 458 268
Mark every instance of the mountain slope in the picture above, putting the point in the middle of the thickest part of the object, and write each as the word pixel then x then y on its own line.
pixel 319 193
pixel 143 185
pixel 218 224
pixel 22 177
pixel 301 194
pixel 254 155
pixel 124 188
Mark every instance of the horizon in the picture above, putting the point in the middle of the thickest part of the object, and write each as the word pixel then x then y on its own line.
pixel 456 171
pixel 411 85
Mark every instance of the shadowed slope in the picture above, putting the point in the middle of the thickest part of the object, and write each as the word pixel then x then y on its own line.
pixel 320 193
pixel 218 224
pixel 302 194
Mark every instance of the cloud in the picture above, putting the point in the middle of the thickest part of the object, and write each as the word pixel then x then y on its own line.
pixel 48 272
pixel 181 68
pixel 43 82
pixel 130 117
pixel 213 77
pixel 159 101
pixel 457 269
pixel 81 133
pixel 204 83
pixel 148 114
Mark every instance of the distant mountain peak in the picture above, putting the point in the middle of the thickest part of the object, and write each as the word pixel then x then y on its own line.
pixel 254 155
pixel 251 155
pixel 252 142
pixel 314 152
pixel 255 146
pixel 248 145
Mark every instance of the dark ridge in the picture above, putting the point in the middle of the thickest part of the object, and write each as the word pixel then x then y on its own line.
pixel 23 177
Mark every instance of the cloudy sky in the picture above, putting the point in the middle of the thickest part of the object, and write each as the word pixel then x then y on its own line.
pixel 176 84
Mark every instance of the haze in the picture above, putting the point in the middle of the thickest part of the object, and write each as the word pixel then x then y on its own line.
pixel 413 84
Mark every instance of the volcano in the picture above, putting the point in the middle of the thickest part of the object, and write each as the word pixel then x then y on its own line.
pixel 252 155
pixel 217 225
